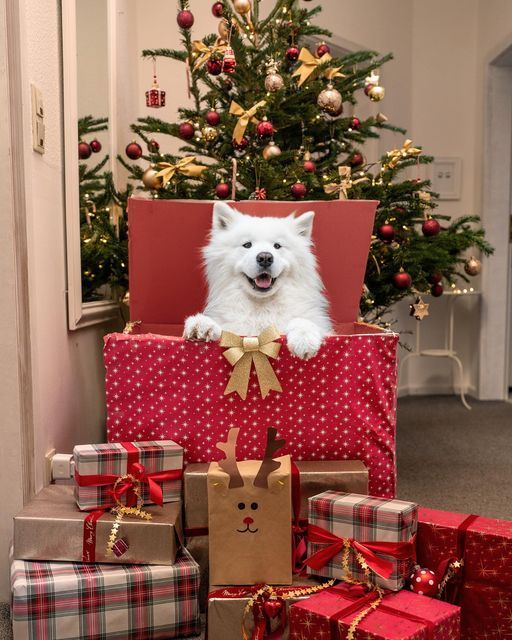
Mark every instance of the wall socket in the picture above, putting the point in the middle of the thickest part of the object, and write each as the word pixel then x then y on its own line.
pixel 38 129
pixel 48 459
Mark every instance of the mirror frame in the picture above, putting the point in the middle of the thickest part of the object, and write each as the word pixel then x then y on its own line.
pixel 82 314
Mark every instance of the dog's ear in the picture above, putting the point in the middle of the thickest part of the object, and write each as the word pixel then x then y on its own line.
pixel 304 224
pixel 223 216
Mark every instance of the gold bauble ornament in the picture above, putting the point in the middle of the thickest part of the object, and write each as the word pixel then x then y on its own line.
pixel 330 100
pixel 472 266
pixel 150 179
pixel 242 6
pixel 271 151
pixel 274 82
pixel 209 133
pixel 376 93
pixel 223 29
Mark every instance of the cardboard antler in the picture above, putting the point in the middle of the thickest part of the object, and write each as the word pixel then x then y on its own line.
pixel 229 464
pixel 268 464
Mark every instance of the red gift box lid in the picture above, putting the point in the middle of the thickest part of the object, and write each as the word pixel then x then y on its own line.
pixel 166 237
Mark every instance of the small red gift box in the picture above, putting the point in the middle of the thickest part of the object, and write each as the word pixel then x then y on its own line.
pixel 330 614
pixel 339 405
pixel 483 546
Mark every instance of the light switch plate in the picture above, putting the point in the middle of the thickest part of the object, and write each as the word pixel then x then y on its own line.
pixel 38 129
pixel 446 177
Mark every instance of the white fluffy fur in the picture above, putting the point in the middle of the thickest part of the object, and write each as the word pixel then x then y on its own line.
pixel 295 304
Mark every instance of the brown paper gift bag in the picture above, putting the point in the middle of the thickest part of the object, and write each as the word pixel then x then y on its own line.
pixel 249 515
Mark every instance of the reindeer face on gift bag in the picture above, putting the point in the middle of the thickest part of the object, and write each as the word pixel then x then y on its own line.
pixel 249 516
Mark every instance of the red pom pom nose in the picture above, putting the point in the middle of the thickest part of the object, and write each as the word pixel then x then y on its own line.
pixel 248 520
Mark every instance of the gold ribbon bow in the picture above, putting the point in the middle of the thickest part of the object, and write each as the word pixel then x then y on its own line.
pixel 184 166
pixel 309 64
pixel 244 117
pixel 242 352
pixel 395 155
pixel 345 183
pixel 205 52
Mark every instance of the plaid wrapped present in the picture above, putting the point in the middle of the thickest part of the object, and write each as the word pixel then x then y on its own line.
pixel 60 600
pixel 348 531
pixel 156 465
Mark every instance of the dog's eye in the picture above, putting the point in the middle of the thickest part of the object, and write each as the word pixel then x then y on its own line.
pixel 241 505
pixel 277 245
pixel 254 506
pixel 247 245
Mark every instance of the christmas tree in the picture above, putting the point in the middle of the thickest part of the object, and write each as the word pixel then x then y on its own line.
pixel 269 121
pixel 103 222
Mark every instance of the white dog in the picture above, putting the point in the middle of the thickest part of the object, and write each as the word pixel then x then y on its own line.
pixel 261 272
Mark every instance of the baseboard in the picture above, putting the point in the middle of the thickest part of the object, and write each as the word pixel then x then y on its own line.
pixel 434 390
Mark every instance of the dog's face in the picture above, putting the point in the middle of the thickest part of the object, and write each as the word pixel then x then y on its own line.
pixel 260 253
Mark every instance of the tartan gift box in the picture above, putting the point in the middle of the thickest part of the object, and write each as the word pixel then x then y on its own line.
pixel 156 465
pixel 371 539
pixel 332 615
pixel 71 601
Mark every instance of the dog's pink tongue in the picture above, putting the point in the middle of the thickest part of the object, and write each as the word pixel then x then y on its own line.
pixel 264 281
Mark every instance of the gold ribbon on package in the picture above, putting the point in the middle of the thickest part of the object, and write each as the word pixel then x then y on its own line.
pixel 185 166
pixel 309 64
pixel 395 155
pixel 242 352
pixel 204 52
pixel 345 183
pixel 244 117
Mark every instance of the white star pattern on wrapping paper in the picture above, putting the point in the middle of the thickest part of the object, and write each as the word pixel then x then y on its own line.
pixel 340 405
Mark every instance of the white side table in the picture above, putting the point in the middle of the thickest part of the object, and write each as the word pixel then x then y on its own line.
pixel 448 351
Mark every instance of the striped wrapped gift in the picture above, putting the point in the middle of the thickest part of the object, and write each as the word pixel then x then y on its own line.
pixel 378 531
pixel 61 600
pixel 156 464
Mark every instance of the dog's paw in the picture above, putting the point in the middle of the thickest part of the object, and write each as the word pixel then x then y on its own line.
pixel 201 327
pixel 304 338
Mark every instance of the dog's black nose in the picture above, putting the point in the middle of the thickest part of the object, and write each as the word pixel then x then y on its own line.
pixel 265 259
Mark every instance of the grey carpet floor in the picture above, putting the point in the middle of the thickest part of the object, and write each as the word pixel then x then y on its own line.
pixel 448 458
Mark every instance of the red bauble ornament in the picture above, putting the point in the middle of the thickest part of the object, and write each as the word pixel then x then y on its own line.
pixel 229 61
pixel 437 290
pixel 356 160
pixel 185 19
pixel 430 227
pixel 322 49
pixel 292 54
pixel 368 88
pixel 214 66
pixel 424 582
pixel 402 280
pixel 241 144
pixel 386 233
pixel 153 146
pixel 309 166
pixel 186 130
pixel 84 150
pixel 299 190
pixel 222 190
pixel 95 146
pixel 217 9
pixel 356 123
pixel 264 129
pixel 228 84
pixel 212 118
pixel 134 151
pixel 435 278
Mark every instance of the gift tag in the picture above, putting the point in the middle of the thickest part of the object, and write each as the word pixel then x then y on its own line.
pixel 120 547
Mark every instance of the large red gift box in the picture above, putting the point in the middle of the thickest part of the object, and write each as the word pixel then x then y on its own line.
pixel 482 586
pixel 329 615
pixel 339 405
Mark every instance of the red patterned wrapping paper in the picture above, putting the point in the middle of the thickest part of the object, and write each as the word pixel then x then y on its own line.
pixel 61 600
pixel 340 405
pixel 483 587
pixel 97 466
pixel 401 616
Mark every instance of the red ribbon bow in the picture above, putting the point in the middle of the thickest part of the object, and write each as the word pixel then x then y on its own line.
pixel 335 544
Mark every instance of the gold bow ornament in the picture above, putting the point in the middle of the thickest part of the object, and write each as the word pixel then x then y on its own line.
pixel 204 52
pixel 185 166
pixel 244 117
pixel 309 64
pixel 395 155
pixel 345 183
pixel 242 352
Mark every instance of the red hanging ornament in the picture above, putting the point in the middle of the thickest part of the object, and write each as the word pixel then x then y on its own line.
pixel 186 130
pixel 241 144
pixel 155 97
pixel 185 19
pixel 435 278
pixel 322 49
pixel 402 280
pixel 309 166
pixel 84 150
pixel 228 84
pixel 213 118
pixel 260 193
pixel 95 146
pixel 386 233
pixel 214 66
pixel 356 123
pixel 134 150
pixel 292 53
pixel 299 190
pixel 264 129
pixel 153 146
pixel 430 227
pixel 217 9
pixel 222 190
pixel 368 88
pixel 229 61
pixel 356 159
pixel 437 290
pixel 424 582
